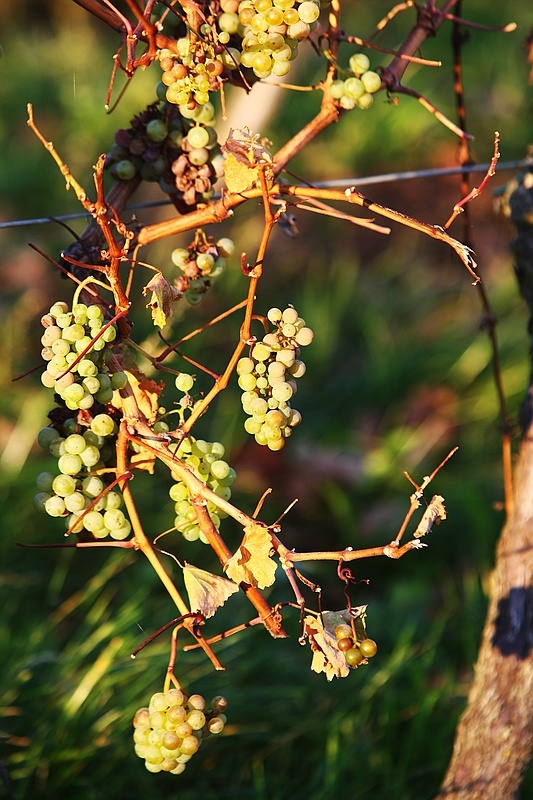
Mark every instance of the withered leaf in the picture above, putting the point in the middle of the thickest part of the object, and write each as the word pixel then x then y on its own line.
pixel 252 563
pixel 163 295
pixel 326 655
pixel 206 591
pixel 239 176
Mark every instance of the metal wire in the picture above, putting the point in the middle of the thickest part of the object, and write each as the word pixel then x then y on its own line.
pixel 370 180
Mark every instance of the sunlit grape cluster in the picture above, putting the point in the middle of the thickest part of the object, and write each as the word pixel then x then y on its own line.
pixel 196 69
pixel 200 265
pixel 169 732
pixel 176 147
pixel 357 89
pixel 355 649
pixel 76 491
pixel 206 460
pixel 74 348
pixel 268 378
pixel 271 31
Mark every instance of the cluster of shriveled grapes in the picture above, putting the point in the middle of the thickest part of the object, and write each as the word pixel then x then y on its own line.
pixel 74 348
pixel 357 90
pixel 200 265
pixel 76 491
pixel 178 148
pixel 268 378
pixel 206 461
pixel 355 650
pixel 169 732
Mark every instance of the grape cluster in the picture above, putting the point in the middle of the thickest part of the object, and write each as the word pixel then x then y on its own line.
pixel 355 650
pixel 176 147
pixel 271 31
pixel 200 264
pixel 206 460
pixel 169 732
pixel 75 359
pixel 81 452
pixel 197 68
pixel 358 88
pixel 268 378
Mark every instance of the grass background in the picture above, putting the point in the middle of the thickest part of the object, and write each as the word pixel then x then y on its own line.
pixel 398 374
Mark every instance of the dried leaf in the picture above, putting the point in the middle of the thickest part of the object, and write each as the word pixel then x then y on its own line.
pixel 252 563
pixel 146 393
pixel 239 176
pixel 326 655
pixel 433 514
pixel 163 295
pixel 247 147
pixel 206 591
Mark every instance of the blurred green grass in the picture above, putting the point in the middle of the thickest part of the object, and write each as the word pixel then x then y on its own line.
pixel 398 374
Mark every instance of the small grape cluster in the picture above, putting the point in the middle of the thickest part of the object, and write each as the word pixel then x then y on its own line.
pixel 268 378
pixel 75 358
pixel 206 460
pixel 80 454
pixel 178 148
pixel 200 265
pixel 197 68
pixel 271 31
pixel 169 732
pixel 355 650
pixel 358 89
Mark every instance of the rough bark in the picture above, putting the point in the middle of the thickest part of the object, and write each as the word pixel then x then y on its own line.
pixel 494 739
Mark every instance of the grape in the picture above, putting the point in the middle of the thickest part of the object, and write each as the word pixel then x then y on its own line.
pixel 54 506
pixel 346 643
pixel 156 130
pixel 125 170
pixel 102 425
pixel 184 382
pixel 198 137
pixel 353 657
pixel 368 648
pixel 359 63
pixel 343 631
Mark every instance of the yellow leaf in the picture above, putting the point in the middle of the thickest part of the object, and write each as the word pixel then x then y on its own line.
pixel 146 394
pixel 252 563
pixel 206 591
pixel 239 176
pixel 326 655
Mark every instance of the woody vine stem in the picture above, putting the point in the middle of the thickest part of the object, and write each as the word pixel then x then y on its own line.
pixel 108 423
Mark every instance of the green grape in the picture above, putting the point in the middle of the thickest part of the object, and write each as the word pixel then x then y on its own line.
pixel 69 464
pixel 75 444
pixel 184 382
pixel 354 88
pixel 371 81
pixel 119 380
pixel 359 63
pixel 44 481
pixel 92 486
pixel 309 11
pixel 125 170
pixel 40 500
pixel 365 101
pixel 64 485
pixel 156 130
pixel 102 425
pixel 55 506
